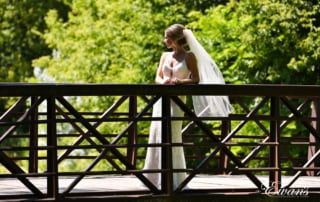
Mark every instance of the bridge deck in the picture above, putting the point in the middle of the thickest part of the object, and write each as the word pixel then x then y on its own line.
pixel 102 184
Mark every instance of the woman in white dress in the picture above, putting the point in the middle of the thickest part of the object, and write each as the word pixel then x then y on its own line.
pixel 176 67
pixel 182 67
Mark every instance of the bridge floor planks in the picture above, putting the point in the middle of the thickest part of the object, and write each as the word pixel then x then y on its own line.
pixel 10 186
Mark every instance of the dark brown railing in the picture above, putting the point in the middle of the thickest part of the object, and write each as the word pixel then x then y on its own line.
pixel 273 132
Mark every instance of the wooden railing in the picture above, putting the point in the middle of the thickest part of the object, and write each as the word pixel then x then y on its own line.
pixel 273 131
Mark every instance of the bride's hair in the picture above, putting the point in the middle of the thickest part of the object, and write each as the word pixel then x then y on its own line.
pixel 175 32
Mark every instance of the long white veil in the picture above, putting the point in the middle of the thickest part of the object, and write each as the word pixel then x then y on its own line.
pixel 209 73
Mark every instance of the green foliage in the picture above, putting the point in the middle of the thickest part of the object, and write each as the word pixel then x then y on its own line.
pixel 20 43
pixel 264 41
pixel 116 42
pixel 111 41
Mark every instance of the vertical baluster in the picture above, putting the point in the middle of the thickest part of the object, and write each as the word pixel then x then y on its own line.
pixel 312 139
pixel 52 179
pixel 167 177
pixel 33 153
pixel 274 177
pixel 223 161
pixel 132 132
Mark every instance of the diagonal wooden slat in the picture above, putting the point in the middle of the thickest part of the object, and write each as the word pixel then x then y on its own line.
pixel 136 118
pixel 247 110
pixel 247 117
pixel 86 135
pixel 291 93
pixel 14 108
pixel 306 124
pixel 306 165
pixel 22 118
pixel 7 161
pixel 189 113
pixel 13 168
pixel 103 153
pixel 301 107
pixel 114 151
pixel 257 149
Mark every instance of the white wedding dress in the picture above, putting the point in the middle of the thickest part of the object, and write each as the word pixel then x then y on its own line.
pixel 153 156
pixel 206 106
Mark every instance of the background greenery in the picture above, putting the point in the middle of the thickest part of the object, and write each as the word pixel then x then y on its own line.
pixel 112 41
pixel 115 41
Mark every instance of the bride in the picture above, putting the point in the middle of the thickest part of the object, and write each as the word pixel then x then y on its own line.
pixel 182 67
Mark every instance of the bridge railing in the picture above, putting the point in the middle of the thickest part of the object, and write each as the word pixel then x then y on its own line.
pixel 47 134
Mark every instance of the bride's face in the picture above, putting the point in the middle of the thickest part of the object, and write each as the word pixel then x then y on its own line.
pixel 168 41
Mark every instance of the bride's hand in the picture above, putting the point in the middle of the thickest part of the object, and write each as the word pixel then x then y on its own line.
pixel 175 81
pixel 167 81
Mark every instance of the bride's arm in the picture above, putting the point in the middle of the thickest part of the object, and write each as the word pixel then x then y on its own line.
pixel 159 75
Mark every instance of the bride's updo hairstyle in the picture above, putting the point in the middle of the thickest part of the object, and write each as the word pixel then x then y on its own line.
pixel 175 32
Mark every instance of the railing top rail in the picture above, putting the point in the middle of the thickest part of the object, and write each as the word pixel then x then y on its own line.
pixel 90 89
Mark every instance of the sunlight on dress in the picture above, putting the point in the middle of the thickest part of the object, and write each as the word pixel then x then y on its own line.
pixel 153 157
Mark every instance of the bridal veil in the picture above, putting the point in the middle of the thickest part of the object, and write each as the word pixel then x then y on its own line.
pixel 209 73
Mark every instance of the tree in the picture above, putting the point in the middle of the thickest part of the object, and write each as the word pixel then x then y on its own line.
pixel 118 41
pixel 102 42
pixel 19 41
pixel 113 42
pixel 264 41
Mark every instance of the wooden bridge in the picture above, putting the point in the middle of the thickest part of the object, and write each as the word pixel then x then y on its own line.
pixel 52 149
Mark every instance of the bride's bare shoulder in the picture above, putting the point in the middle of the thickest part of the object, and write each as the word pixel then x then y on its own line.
pixel 165 55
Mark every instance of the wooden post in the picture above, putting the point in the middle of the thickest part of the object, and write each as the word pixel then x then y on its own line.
pixel 166 150
pixel 274 176
pixel 132 133
pixel 223 162
pixel 52 167
pixel 312 139
pixel 33 152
